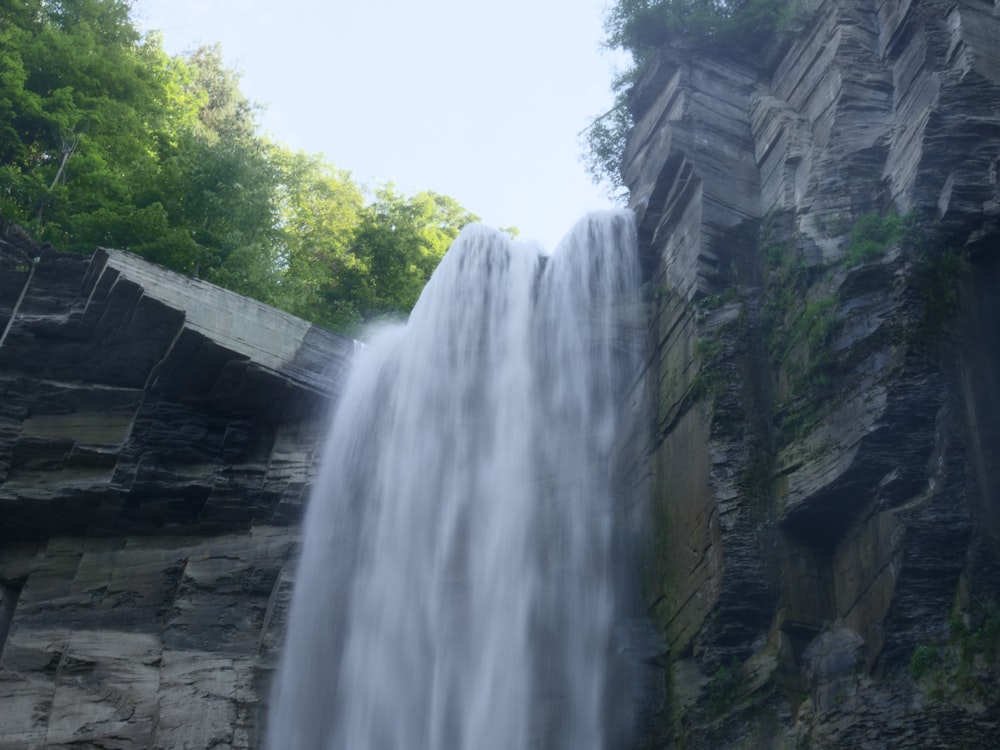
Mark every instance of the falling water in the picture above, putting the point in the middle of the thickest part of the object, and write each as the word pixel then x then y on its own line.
pixel 456 585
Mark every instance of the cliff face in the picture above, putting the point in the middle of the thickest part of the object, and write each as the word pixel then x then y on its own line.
pixel 818 422
pixel 815 430
pixel 158 436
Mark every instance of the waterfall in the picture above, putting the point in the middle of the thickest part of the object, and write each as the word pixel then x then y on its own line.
pixel 457 582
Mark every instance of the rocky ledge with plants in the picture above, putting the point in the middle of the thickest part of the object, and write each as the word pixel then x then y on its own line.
pixel 819 216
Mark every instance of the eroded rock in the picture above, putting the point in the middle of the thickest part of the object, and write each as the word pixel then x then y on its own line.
pixel 824 390
pixel 158 437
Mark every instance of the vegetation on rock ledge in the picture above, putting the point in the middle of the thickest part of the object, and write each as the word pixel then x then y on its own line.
pixel 959 667
pixel 640 27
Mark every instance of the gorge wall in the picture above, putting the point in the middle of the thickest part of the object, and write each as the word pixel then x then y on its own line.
pixel 817 425
pixel 809 461
pixel 158 437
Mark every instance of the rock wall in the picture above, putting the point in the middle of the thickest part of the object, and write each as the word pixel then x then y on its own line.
pixel 817 433
pixel 158 436
pixel 814 431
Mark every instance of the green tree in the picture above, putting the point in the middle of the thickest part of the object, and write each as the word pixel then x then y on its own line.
pixel 215 182
pixel 320 211
pixel 740 26
pixel 397 246
pixel 107 140
pixel 225 111
pixel 77 97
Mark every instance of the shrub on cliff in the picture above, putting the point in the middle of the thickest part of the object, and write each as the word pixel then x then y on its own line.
pixel 742 27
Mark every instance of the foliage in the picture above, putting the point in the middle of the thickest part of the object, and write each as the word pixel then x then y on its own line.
pixel 709 351
pixel 319 208
pixel 981 638
pixel 818 325
pixel 651 291
pixel 107 140
pixel 225 112
pixel 872 234
pixel 798 327
pixel 606 138
pixel 639 27
pixel 925 658
pixel 78 134
pixel 961 666
pixel 396 247
pixel 724 687
pixel 936 273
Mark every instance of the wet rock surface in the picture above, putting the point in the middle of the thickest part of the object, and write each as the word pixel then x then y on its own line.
pixel 158 437
pixel 820 229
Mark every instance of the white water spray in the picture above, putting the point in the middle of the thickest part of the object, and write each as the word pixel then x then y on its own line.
pixel 456 587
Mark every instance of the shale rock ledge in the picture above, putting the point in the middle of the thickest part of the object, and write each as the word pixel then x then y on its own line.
pixel 158 437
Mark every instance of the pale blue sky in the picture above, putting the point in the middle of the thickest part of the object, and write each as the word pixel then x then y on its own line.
pixel 480 101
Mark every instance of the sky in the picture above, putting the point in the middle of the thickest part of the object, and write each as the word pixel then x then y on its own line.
pixel 480 101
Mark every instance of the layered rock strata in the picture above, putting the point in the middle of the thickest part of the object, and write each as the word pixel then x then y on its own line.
pixel 820 235
pixel 815 428
pixel 158 437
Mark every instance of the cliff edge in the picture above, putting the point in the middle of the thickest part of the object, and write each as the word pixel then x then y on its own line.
pixel 158 437
pixel 820 228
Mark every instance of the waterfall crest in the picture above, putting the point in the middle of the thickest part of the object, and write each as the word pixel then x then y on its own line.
pixel 456 587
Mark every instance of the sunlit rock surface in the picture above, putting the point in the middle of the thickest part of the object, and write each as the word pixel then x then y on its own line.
pixel 158 438
pixel 818 424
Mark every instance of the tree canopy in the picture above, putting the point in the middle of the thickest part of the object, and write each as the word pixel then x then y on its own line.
pixel 106 140
pixel 741 26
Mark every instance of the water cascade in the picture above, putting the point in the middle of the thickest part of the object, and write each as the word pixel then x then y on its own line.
pixel 457 584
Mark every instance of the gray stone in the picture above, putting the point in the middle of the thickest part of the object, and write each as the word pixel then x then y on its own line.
pixel 817 429
pixel 158 437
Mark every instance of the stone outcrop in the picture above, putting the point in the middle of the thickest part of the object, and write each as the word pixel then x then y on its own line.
pixel 815 429
pixel 819 229
pixel 158 437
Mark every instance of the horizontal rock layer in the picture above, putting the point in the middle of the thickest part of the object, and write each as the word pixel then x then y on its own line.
pixel 158 438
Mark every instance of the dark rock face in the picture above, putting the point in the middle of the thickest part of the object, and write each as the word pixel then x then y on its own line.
pixel 158 437
pixel 815 431
pixel 820 403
